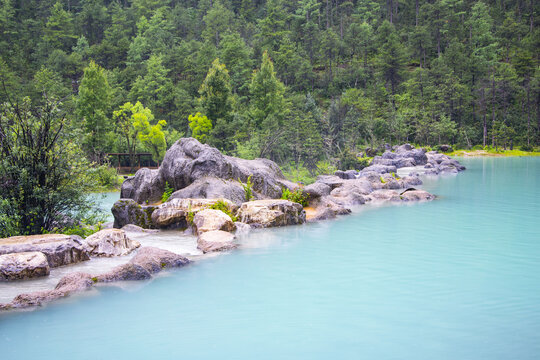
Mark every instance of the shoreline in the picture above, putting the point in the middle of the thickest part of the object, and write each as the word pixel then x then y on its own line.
pixel 330 197
pixel 486 153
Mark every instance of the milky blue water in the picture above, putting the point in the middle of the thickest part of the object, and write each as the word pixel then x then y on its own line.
pixel 457 278
pixel 105 201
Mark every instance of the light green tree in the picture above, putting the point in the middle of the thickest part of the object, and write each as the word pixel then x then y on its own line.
pixel 93 108
pixel 200 126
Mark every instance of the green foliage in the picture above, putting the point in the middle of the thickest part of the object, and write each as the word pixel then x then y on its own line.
pixel 189 217
pixel 296 196
pixel 105 176
pixel 200 126
pixel 223 206
pixel 42 170
pixel 167 193
pixel 248 188
pixel 382 180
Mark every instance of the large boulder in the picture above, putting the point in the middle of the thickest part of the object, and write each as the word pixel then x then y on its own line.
pixel 212 188
pixel 128 211
pixel 332 181
pixel 25 265
pixel 216 240
pixel 59 249
pixel 379 169
pixel 416 195
pixel 110 242
pixel 316 190
pixel 146 185
pixel 210 220
pixel 154 260
pixel 188 161
pixel 269 213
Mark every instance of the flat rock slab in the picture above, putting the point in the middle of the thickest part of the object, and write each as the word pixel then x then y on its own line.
pixel 110 242
pixel 59 249
pixel 216 240
pixel 25 265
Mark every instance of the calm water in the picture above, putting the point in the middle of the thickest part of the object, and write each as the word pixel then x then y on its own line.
pixel 106 201
pixel 457 278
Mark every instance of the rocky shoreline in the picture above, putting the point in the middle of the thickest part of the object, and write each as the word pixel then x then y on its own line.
pixel 216 198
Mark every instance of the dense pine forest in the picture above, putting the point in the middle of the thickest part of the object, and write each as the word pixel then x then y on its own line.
pixel 306 82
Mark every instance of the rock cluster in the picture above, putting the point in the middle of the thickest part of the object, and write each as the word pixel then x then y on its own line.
pixel 148 261
pixel 201 171
pixel 110 242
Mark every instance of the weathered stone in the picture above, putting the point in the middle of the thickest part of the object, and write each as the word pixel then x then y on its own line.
pixel 331 180
pixel 212 188
pixel 346 175
pixel 209 220
pixel 173 213
pixel 59 249
pixel 128 211
pixel 268 213
pixel 25 265
pixel 216 240
pixel 131 228
pixel 154 260
pixel 316 190
pixel 68 285
pixel 380 169
pixel 416 195
pixel 110 242
pixel 124 272
pixel 146 185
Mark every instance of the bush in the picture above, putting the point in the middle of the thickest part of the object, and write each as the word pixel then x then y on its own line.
pixel 223 206
pixel 167 193
pixel 478 147
pixel 105 176
pixel 296 196
pixel 43 172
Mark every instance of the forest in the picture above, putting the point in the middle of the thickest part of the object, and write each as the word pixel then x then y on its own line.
pixel 305 82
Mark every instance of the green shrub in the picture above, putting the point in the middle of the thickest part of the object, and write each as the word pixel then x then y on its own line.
pixel 105 176
pixel 189 217
pixel 223 206
pixel 296 196
pixel 167 193
pixel 382 180
pixel 364 162
pixel 248 188
pixel 478 147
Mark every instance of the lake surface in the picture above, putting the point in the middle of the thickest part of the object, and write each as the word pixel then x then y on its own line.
pixel 456 278
pixel 106 201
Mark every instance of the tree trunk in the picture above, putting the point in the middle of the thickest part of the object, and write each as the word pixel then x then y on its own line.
pixel 493 106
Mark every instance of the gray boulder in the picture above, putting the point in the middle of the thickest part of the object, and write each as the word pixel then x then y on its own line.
pixel 316 190
pixel 213 188
pixel 379 169
pixel 346 175
pixel 25 265
pixel 173 212
pixel 331 180
pixel 128 211
pixel 110 242
pixel 125 272
pixel 146 185
pixel 58 248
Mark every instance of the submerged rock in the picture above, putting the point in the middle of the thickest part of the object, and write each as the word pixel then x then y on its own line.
pixel 25 265
pixel 58 248
pixel 69 284
pixel 110 242
pixel 125 272
pixel 216 240
pixel 269 213
pixel 209 220
pixel 154 260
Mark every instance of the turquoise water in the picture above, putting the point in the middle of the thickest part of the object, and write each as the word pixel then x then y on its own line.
pixel 106 201
pixel 457 278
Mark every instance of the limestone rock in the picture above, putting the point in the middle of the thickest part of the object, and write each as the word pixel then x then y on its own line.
pixel 25 265
pixel 209 220
pixel 216 240
pixel 59 249
pixel 416 195
pixel 213 188
pixel 125 272
pixel 173 212
pixel 110 242
pixel 268 213
pixel 154 260
pixel 316 190
pixel 128 211
pixel 146 185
